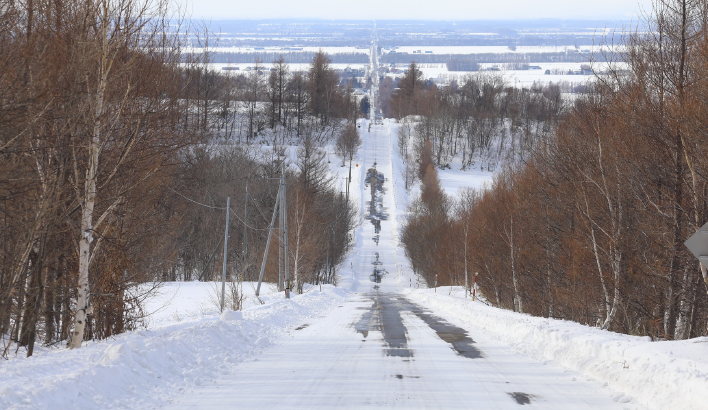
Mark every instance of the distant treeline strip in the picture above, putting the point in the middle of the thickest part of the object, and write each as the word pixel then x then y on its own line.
pixel 299 57
pixel 395 39
pixel 503 58
pixel 304 57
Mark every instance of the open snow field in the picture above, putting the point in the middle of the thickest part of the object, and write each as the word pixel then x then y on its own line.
pixel 570 48
pixel 362 344
pixel 518 78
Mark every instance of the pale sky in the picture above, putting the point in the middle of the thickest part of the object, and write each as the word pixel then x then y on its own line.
pixel 417 9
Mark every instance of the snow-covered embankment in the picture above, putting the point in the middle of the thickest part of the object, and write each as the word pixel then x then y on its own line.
pixel 147 368
pixel 661 375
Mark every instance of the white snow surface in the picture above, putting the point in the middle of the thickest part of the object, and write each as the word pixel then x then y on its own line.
pixel 653 375
pixel 306 353
pixel 146 368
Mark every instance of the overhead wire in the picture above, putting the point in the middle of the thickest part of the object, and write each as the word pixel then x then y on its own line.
pixel 197 202
pixel 220 208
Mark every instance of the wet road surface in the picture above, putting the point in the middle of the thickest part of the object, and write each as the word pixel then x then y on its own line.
pixel 384 316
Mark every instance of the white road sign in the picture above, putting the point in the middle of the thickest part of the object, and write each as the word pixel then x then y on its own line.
pixel 698 244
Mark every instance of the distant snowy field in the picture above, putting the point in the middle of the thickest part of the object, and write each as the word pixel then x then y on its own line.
pixel 243 67
pixel 328 50
pixel 497 49
pixel 519 78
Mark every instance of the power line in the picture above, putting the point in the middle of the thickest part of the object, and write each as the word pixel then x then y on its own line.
pixel 217 208
pixel 196 202
pixel 247 225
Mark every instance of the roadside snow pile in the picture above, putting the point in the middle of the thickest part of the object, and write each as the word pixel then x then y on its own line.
pixel 191 301
pixel 147 368
pixel 660 375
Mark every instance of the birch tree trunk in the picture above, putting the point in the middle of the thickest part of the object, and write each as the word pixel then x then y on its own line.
pixel 518 304
pixel 87 197
pixel 300 210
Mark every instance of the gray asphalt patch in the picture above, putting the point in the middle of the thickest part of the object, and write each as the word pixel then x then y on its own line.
pixel 455 336
pixel 393 330
pixel 521 398
pixel 365 324
pixel 384 315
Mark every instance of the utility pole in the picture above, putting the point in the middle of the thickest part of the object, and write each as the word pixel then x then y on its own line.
pixel 280 209
pixel 265 254
pixel 226 248
pixel 349 180
pixel 281 231
pixel 466 282
pixel 327 260
pixel 245 235
pixel 466 288
pixel 331 261
pixel 474 291
pixel 284 212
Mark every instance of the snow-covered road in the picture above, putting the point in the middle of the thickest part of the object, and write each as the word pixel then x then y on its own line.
pixel 377 349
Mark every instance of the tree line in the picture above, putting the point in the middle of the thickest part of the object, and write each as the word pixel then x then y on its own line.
pixel 479 121
pixel 497 58
pixel 272 104
pixel 294 57
pixel 116 157
pixel 591 226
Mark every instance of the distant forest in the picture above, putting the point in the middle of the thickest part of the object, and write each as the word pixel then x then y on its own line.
pixel 298 57
pixel 408 40
pixel 303 57
pixel 503 58
pixel 244 33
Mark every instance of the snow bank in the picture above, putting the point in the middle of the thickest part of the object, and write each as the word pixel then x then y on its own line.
pixel 147 368
pixel 658 375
